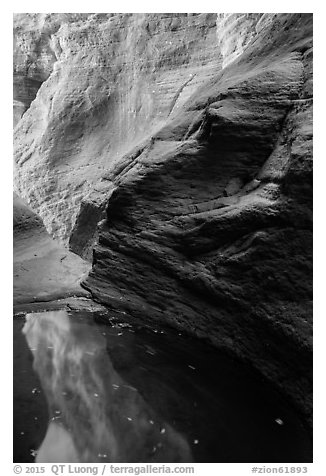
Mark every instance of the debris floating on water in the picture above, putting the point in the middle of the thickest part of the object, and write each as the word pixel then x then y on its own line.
pixel 55 418
pixel 127 386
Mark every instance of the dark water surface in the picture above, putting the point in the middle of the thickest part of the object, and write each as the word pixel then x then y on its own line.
pixel 89 387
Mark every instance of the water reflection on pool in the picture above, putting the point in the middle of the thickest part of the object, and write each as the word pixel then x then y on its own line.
pixel 98 390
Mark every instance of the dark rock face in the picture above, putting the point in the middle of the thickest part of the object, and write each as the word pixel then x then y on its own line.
pixel 201 177
pixel 209 224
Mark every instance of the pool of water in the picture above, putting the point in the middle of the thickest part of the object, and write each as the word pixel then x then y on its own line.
pixel 91 387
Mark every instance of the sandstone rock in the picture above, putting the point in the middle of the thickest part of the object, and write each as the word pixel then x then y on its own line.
pixel 235 269
pixel 200 176
pixel 35 51
pixel 111 82
pixel 43 270
pixel 235 31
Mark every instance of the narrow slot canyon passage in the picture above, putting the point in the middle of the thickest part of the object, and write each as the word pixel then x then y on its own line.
pixel 162 301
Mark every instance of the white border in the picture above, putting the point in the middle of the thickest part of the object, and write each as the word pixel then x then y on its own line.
pixel 319 466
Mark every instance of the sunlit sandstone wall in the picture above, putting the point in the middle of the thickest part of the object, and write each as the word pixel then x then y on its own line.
pixel 189 137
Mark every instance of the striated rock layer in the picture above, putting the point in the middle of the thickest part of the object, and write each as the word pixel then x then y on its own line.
pixel 35 51
pixel 190 138
pixel 115 82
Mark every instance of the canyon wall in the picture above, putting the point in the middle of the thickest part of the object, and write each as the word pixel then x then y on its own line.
pixel 43 271
pixel 116 80
pixel 188 138
pixel 35 50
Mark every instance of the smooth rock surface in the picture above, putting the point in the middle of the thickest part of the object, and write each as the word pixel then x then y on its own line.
pixel 43 270
pixel 108 83
pixel 189 137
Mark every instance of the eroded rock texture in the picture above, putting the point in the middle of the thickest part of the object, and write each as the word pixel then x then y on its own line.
pixel 36 49
pixel 115 82
pixel 189 137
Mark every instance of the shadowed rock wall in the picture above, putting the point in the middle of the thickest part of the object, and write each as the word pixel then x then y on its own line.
pixel 116 80
pixel 200 176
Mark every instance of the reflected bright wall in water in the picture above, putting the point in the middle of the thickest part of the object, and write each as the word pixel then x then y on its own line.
pixel 95 414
